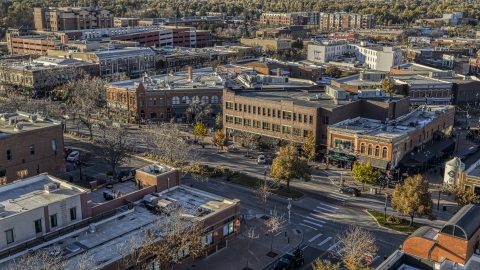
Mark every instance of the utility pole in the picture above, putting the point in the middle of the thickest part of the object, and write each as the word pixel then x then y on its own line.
pixel 385 209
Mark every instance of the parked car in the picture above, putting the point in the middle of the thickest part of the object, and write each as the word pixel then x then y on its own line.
pixel 261 159
pixel 289 261
pixel 355 192
pixel 126 175
pixel 74 156
pixel 67 152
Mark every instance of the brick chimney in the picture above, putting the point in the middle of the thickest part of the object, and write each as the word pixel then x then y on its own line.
pixel 398 67
pixel 64 39
pixel 279 72
pixel 189 69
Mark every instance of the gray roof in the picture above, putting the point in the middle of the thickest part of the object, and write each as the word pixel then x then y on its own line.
pixel 467 220
pixel 123 52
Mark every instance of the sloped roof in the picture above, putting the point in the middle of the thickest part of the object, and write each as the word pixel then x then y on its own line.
pixel 467 219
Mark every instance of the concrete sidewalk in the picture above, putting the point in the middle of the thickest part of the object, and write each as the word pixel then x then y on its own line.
pixel 234 256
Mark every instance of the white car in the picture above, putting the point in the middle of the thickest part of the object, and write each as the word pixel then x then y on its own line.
pixel 261 159
pixel 74 156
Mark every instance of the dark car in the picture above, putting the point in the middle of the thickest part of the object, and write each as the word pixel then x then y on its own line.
pixel 126 175
pixel 355 192
pixel 289 261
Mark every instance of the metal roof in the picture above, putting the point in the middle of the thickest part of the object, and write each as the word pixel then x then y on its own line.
pixel 466 219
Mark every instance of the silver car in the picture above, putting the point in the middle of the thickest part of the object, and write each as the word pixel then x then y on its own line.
pixel 261 159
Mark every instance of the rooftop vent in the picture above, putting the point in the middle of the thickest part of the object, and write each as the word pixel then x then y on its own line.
pixel 49 188
pixel 2 208
pixel 18 127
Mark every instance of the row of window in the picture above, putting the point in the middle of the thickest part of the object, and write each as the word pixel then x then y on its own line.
pixel 32 149
pixel 38 225
pixel 287 115
pixel 175 100
pixel 266 126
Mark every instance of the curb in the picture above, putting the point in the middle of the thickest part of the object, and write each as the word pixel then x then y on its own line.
pixel 276 259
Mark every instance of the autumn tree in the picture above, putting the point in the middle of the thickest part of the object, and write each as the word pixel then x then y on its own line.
pixel 309 147
pixel 413 198
pixel 388 84
pixel 199 130
pixel 288 166
pixel 357 243
pixel 464 197
pixel 274 225
pixel 320 265
pixel 333 71
pixel 364 173
pixel 219 138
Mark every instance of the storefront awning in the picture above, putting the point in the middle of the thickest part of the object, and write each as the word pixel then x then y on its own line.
pixel 332 155
pixel 376 163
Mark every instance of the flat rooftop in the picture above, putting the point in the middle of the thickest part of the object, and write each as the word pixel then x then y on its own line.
pixel 110 237
pixel 15 123
pixel 43 63
pixel 355 80
pixel 27 194
pixel 108 53
pixel 410 122
pixel 419 79
pixel 157 169
pixel 416 68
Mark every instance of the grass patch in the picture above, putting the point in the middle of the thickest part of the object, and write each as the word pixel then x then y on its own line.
pixel 401 226
pixel 253 182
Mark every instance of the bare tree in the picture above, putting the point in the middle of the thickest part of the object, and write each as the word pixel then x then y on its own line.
pixel 113 146
pixel 38 260
pixel 83 261
pixel 119 76
pixel 274 225
pixel 357 244
pixel 261 193
pixel 250 234
pixel 199 110
pixel 133 250
pixel 247 138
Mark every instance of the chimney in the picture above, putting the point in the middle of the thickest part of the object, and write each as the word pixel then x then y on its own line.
pixel 398 67
pixel 279 72
pixel 189 68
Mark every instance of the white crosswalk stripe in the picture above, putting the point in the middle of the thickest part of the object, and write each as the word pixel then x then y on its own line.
pixel 336 198
pixel 317 220
pixel 314 238
pixel 334 246
pixel 308 226
pixel 328 205
pixel 325 209
pixel 325 241
pixel 341 250
pixel 313 223
pixel 318 211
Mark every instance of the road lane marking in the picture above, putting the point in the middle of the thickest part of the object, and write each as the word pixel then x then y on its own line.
pixel 325 241
pixel 325 209
pixel 383 241
pixel 308 226
pixel 304 248
pixel 315 237
pixel 317 220
pixel 318 211
pixel 320 217
pixel 334 246
pixel 328 205
pixel 311 222
pixel 336 198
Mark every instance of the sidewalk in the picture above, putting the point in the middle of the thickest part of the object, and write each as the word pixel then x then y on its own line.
pixel 234 257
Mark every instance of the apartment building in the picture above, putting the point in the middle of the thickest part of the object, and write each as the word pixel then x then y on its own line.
pixel 344 20
pixel 277 44
pixel 29 145
pixel 72 18
pixel 125 22
pixel 371 56
pixel 394 142
pixel 294 18
pixel 292 70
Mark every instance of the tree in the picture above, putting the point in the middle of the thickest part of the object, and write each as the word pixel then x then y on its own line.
pixel 309 147
pixel 261 193
pixel 273 226
pixel 198 110
pixel 388 84
pixel 214 64
pixel 119 76
pixel 219 138
pixel 250 234
pixel 413 198
pixel 246 138
pixel 364 173
pixel 288 166
pixel 319 265
pixel 218 120
pixel 199 130
pixel 113 146
pixel 464 197
pixel 357 244
pixel 333 71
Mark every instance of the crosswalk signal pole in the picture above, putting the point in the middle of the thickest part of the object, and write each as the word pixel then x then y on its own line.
pixel 289 207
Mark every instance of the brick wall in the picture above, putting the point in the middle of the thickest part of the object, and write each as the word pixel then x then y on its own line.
pixel 133 197
pixel 22 163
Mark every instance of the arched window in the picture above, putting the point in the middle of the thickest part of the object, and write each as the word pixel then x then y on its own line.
pixel 377 151
pixel 195 99
pixel 185 100
pixel 384 152
pixel 141 101
pixel 370 149
pixel 175 100
pixel 362 148
pixel 205 100
pixel 214 99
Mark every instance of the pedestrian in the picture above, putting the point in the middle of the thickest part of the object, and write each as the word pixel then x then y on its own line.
pixel 243 220
pixel 382 186
pixel 74 166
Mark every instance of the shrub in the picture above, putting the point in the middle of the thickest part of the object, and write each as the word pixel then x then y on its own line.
pixel 223 169
pixel 393 219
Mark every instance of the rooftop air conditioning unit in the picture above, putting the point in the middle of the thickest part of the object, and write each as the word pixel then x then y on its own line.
pixel 2 208
pixel 50 187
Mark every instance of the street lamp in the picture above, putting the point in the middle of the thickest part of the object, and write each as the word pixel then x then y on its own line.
pixel 385 209
pixel 439 193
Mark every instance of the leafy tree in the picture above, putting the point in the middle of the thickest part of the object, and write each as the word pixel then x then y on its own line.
pixel 288 166
pixel 319 265
pixel 357 243
pixel 388 85
pixel 413 198
pixel 464 197
pixel 364 173
pixel 218 120
pixel 309 147
pixel 333 71
pixel 199 130
pixel 219 138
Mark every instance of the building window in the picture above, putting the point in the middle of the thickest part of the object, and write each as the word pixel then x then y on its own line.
pixel 342 144
pixel 238 120
pixel 254 109
pixel 168 102
pixel 239 107
pixel 9 154
pixel 256 124
pixel 370 150
pixel 273 113
pixel 384 152
pixel 286 129
pixel 266 126
pixel 161 101
pixel 73 213
pixel 150 102
pixel 175 100
pixel 229 105
pixel 32 149
pixel 294 117
pixel 214 99
pixel 207 239
pixel 53 220
pixel 311 119
pixel 9 234
pixel 185 100
pixel 362 148
pixel 38 226
pixel 325 120
pixel 205 100
pixel 276 127
pixel 54 145
pixel 228 229
pixel 377 151
pixel 247 122
pixel 228 119
pixel 153 115
pixel 287 115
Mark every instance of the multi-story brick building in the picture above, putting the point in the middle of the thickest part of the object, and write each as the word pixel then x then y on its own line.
pixel 125 22
pixel 277 44
pixel 386 143
pixel 294 18
pixel 72 18
pixel 29 145
pixel 292 70
pixel 343 20
pixel 294 31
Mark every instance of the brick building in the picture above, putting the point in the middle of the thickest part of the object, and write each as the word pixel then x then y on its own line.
pixel 72 18
pixel 293 31
pixel 343 20
pixel 454 246
pixel 125 22
pixel 294 18
pixel 299 71
pixel 277 44
pixel 29 145
pixel 388 144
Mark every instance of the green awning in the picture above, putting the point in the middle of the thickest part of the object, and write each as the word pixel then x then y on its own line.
pixel 340 156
